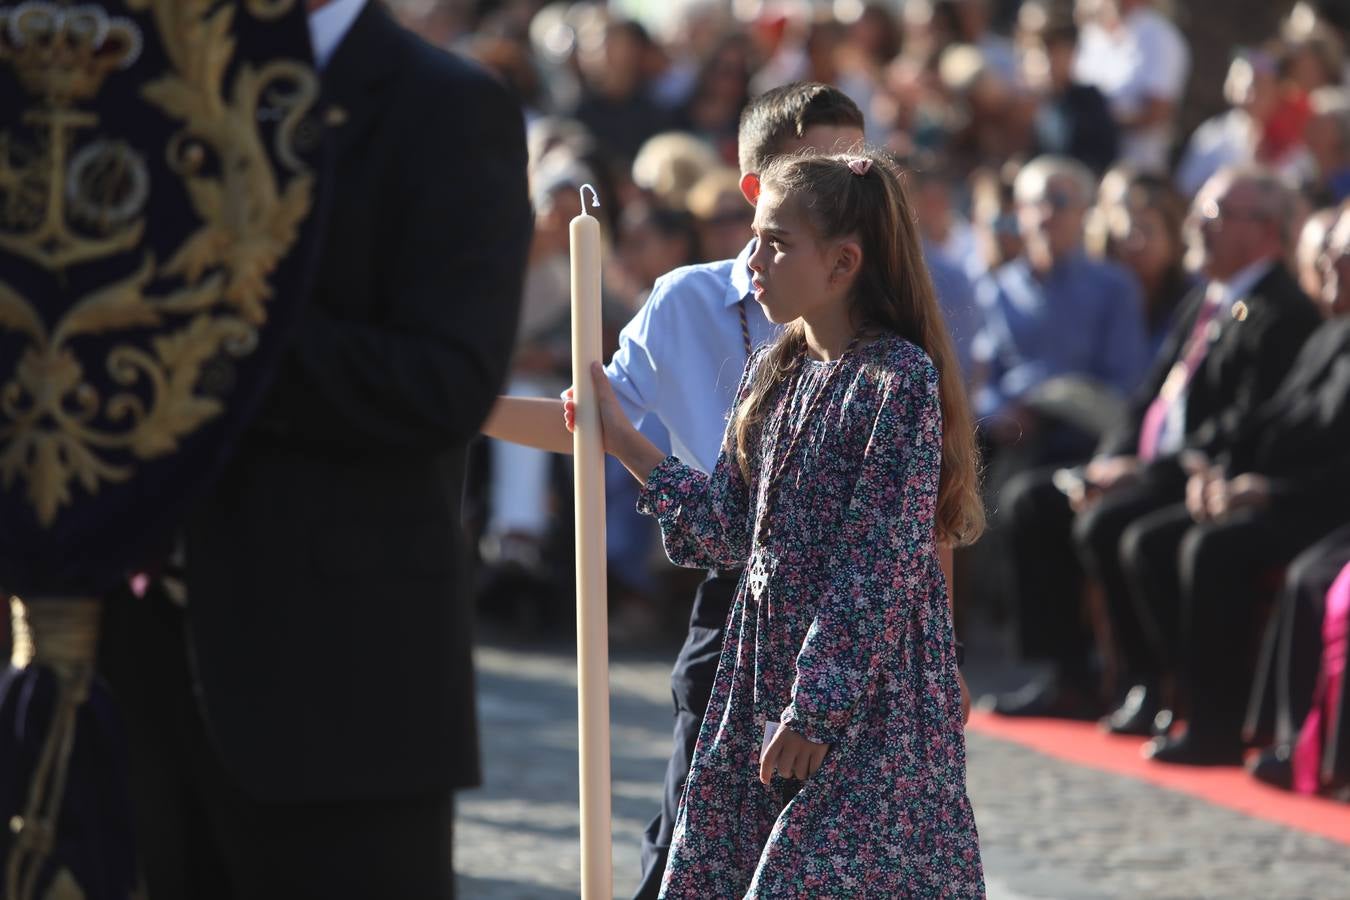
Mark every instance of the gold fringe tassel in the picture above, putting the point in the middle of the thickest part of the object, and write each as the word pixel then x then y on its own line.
pixel 60 634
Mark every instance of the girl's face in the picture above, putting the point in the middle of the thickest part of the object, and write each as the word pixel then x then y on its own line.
pixel 791 267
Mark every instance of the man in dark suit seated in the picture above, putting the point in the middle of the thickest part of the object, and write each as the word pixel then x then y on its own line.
pixel 1233 342
pixel 299 727
pixel 1287 670
pixel 1281 482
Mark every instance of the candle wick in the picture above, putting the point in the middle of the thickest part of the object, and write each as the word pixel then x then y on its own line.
pixel 595 197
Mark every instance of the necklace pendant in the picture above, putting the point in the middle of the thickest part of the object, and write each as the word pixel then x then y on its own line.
pixel 760 567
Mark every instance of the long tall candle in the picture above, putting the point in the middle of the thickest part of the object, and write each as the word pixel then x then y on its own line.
pixel 592 630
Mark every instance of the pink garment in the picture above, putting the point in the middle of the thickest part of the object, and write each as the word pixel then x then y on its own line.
pixel 1307 759
pixel 1178 379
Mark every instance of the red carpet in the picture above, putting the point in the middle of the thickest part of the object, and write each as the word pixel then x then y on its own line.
pixel 1083 744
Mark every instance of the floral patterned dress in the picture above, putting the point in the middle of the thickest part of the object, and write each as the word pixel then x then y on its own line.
pixel 841 631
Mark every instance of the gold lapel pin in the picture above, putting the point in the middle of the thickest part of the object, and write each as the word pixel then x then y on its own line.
pixel 1240 311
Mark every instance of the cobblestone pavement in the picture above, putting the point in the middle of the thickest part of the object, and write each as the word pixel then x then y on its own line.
pixel 1048 829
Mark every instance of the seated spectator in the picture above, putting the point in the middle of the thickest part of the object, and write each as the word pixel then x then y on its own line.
pixel 1052 313
pixel 940 228
pixel 944 230
pixel 1327 139
pixel 721 213
pixel 1072 119
pixel 871 41
pixel 721 90
pixel 1232 138
pixel 1143 232
pixel 1140 61
pixel 974 27
pixel 1309 58
pixel 1234 343
pixel 616 102
pixel 989 121
pixel 693 32
pixel 1280 482
pixel 1202 373
pixel 1311 250
pixel 928 27
pixel 653 240
pixel 993 215
pixel 668 165
pixel 1295 702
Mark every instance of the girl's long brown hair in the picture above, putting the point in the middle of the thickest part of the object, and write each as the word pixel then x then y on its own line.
pixel 893 292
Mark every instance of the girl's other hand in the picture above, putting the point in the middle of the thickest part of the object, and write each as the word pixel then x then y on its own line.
pixel 792 756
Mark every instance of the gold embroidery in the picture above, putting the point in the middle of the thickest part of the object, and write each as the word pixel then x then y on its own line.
pixel 63 205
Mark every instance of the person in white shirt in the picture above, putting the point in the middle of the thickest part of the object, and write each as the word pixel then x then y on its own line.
pixel 1138 58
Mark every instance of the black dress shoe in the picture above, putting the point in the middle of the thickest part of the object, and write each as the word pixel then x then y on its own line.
pixel 1185 750
pixel 1274 767
pixel 1044 700
pixel 1135 715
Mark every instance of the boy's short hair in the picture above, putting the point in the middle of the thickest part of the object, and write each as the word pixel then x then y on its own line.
pixel 785 113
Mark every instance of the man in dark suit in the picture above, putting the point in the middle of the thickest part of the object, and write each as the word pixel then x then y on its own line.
pixel 1289 667
pixel 1281 483
pixel 1232 344
pixel 299 728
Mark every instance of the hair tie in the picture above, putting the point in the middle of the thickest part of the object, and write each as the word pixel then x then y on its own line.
pixel 860 165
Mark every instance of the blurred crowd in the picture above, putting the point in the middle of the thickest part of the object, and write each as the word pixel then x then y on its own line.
pixel 1151 312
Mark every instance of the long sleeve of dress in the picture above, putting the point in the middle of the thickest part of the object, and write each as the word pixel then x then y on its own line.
pixel 705 519
pixel 880 565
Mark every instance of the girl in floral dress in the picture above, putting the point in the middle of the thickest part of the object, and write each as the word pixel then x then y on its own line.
pixel 831 761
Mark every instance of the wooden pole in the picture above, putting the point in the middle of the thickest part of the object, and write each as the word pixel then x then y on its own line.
pixel 592 630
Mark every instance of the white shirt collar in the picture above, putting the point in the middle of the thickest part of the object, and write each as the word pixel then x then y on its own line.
pixel 1241 283
pixel 328 25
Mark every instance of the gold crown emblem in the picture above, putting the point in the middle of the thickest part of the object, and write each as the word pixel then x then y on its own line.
pixel 62 53
pixel 76 413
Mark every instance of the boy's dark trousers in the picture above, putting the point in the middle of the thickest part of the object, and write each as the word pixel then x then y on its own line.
pixel 691 685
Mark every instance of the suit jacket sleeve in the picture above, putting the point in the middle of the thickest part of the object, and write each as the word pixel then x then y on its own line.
pixel 424 374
